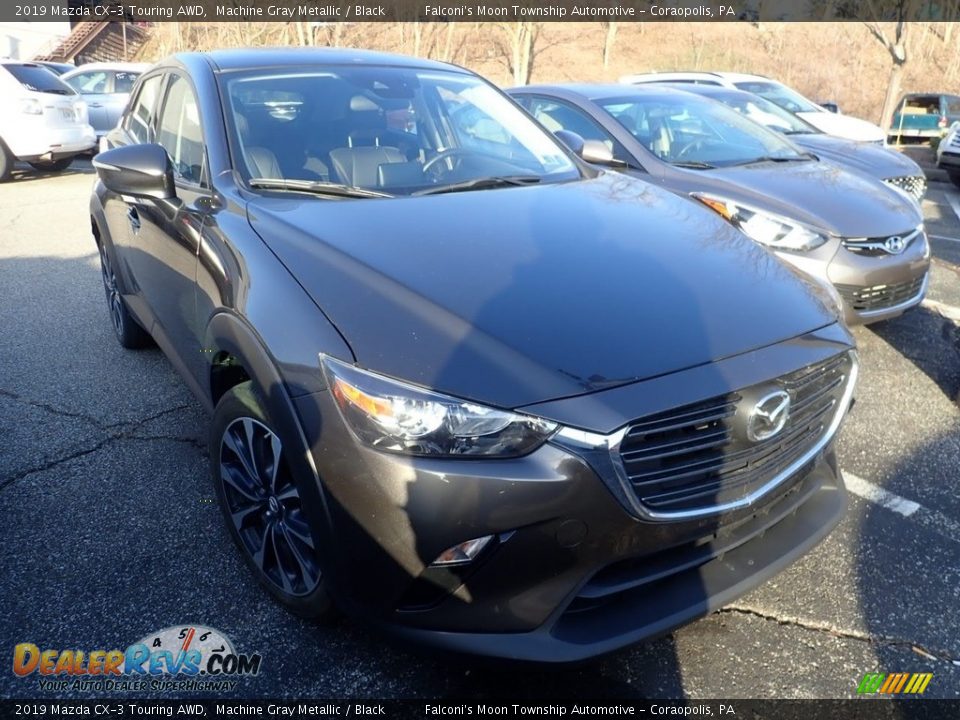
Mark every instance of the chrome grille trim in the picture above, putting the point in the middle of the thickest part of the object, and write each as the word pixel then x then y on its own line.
pixel 877 245
pixel 796 461
pixel 916 185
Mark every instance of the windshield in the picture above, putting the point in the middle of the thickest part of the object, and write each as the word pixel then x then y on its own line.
pixel 767 114
pixel 396 131
pixel 685 130
pixel 39 79
pixel 779 95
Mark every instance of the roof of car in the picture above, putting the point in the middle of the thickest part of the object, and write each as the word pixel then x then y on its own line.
pixel 123 66
pixel 693 74
pixel 246 58
pixel 605 91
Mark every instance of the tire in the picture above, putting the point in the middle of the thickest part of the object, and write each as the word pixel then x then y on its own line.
pixel 261 504
pixel 128 331
pixel 6 162
pixel 53 166
pixel 954 178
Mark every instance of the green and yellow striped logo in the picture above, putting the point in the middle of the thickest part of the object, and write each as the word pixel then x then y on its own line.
pixel 894 683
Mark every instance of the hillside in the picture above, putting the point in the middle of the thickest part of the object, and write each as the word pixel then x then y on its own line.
pixel 840 62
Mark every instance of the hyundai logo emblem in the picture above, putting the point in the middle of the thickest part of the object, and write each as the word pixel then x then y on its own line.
pixel 894 245
pixel 768 416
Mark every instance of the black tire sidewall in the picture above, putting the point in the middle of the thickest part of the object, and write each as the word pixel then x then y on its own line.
pixel 243 401
pixel 130 335
pixel 6 162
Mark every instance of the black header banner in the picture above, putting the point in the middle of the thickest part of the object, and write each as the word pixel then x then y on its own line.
pixel 858 709
pixel 322 11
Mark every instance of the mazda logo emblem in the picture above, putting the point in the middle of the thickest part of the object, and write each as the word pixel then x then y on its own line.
pixel 768 416
pixel 894 245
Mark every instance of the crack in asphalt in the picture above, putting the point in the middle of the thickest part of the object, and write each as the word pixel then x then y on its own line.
pixel 50 408
pixel 884 640
pixel 116 432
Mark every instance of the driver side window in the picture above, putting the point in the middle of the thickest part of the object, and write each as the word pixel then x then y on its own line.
pixel 555 115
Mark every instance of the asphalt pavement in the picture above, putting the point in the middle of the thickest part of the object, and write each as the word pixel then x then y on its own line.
pixel 109 532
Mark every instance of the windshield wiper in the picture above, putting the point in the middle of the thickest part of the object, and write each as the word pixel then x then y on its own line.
pixel 803 157
pixel 317 187
pixel 693 165
pixel 484 183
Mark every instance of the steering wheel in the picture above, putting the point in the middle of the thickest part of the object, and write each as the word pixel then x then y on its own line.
pixel 682 153
pixel 446 155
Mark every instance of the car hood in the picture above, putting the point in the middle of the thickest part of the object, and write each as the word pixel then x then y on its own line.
pixel 844 126
pixel 875 160
pixel 842 202
pixel 518 295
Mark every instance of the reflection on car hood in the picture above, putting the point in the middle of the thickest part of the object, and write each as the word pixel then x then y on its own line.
pixel 519 295
pixel 845 203
pixel 845 126
pixel 875 160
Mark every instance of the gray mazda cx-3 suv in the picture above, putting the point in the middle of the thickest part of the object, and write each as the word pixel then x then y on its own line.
pixel 462 384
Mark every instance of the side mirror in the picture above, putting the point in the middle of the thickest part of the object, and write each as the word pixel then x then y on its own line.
pixel 831 106
pixel 137 170
pixel 593 151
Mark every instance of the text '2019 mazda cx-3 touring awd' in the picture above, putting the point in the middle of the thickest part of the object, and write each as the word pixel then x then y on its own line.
pixel 462 384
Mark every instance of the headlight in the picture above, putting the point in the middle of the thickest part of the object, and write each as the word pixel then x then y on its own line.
pixel 396 417
pixel 768 229
pixel 31 106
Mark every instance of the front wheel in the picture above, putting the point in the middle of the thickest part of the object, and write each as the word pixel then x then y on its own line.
pixel 53 165
pixel 262 505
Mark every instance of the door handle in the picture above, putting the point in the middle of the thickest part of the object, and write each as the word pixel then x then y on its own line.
pixel 134 217
pixel 95 105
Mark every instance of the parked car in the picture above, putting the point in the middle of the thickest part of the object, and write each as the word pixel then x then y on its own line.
pixel 474 390
pixel 57 68
pixel 948 153
pixel 886 164
pixel 860 235
pixel 106 88
pixel 921 116
pixel 42 120
pixel 832 123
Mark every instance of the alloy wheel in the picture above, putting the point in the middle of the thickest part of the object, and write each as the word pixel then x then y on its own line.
pixel 265 507
pixel 114 301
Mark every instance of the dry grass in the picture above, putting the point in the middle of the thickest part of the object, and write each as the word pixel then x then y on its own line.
pixel 825 61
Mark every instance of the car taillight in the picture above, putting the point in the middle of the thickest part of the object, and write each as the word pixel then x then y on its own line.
pixel 943 121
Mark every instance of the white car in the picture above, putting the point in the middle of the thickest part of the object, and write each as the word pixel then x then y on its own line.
pixel 837 124
pixel 42 120
pixel 948 153
pixel 106 89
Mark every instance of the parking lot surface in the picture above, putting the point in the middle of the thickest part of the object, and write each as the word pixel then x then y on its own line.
pixel 110 533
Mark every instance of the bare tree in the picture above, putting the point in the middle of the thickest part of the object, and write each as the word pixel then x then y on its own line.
pixel 608 38
pixel 520 48
pixel 895 43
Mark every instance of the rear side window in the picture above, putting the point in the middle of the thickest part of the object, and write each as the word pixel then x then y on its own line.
pixel 38 79
pixel 123 81
pixel 140 120
pixel 90 83
pixel 179 131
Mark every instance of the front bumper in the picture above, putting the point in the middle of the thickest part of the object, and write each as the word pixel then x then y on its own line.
pixel 875 286
pixel 949 160
pixel 573 572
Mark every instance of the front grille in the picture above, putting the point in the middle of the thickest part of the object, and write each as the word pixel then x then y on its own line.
pixel 955 139
pixel 882 245
pixel 915 185
pixel 698 457
pixel 880 297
